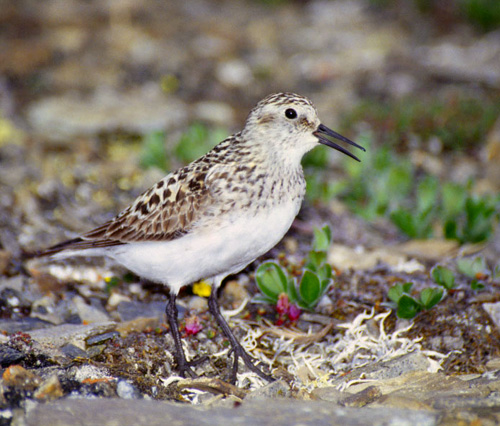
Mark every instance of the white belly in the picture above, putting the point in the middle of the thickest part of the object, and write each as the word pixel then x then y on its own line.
pixel 223 249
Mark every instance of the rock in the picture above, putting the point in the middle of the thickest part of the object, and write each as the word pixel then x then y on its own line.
pixel 20 378
pixel 139 111
pixel 9 355
pixel 277 389
pixel 198 303
pixel 60 335
pixel 136 325
pixel 73 351
pixel 493 310
pixel 127 391
pixel 23 325
pixel 214 112
pixel 49 390
pixel 107 412
pixel 5 258
pixel 132 310
pixel 89 313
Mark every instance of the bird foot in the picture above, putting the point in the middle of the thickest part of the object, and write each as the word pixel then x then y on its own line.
pixel 185 367
pixel 239 352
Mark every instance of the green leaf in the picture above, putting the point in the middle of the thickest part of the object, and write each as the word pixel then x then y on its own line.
pixel 292 290
pixel 316 259
pixel 322 239
pixel 430 297
pixel 443 276
pixel 476 285
pixel 260 298
pixel 407 287
pixel 397 290
pixel 405 222
pixel 472 266
pixel 408 307
pixel 310 288
pixel 453 199
pixel 395 293
pixel 496 272
pixel 271 280
pixel 325 272
pixel 427 192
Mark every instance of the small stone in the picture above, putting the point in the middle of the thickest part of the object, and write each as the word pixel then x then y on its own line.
pixel 5 257
pixel 22 325
pixel 234 73
pixel 20 378
pixel 137 325
pixel 9 355
pixel 88 313
pixel 50 389
pixel 76 334
pixel 329 393
pixel 235 292
pixel 73 351
pixel 197 303
pixel 126 391
pixel 100 338
pixel 493 364
pixel 214 112
pixel 133 310
pixel 115 299
pixel 277 389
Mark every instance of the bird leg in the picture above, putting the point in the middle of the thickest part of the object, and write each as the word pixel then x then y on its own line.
pixel 180 357
pixel 236 347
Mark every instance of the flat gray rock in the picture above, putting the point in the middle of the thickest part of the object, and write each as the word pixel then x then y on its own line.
pixel 111 412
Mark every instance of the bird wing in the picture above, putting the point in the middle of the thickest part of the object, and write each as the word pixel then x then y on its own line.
pixel 166 211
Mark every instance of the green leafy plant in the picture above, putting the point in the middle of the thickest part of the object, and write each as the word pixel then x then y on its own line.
pixel 417 223
pixel 477 269
pixel 472 267
pixel 443 276
pixel 408 306
pixel 386 184
pixel 273 280
pixel 196 141
pixel 473 220
pixel 153 151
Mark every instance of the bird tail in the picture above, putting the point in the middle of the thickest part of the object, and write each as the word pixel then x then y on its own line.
pixel 70 246
pixel 49 251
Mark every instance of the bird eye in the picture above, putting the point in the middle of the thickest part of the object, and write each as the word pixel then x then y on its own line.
pixel 290 113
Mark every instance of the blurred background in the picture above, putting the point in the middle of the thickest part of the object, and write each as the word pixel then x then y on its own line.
pixel 99 99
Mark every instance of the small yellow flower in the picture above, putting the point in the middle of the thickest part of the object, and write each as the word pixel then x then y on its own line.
pixel 202 289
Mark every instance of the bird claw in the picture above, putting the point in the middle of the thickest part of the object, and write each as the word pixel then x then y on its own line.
pixel 185 367
pixel 239 352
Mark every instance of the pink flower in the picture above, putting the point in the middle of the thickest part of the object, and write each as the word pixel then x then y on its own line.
pixel 283 304
pixel 293 313
pixel 193 325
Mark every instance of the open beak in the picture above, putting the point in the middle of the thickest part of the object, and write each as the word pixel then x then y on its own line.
pixel 324 131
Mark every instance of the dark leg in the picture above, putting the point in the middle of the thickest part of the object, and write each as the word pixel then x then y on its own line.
pixel 237 349
pixel 182 363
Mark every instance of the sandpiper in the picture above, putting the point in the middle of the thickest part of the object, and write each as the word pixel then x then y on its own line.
pixel 215 216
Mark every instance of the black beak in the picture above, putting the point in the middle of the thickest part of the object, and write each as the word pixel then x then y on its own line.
pixel 325 131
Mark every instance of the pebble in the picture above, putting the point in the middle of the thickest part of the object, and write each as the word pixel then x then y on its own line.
pixel 76 334
pixel 90 313
pixel 50 389
pixel 20 378
pixel 9 355
pixel 127 391
pixel 128 311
